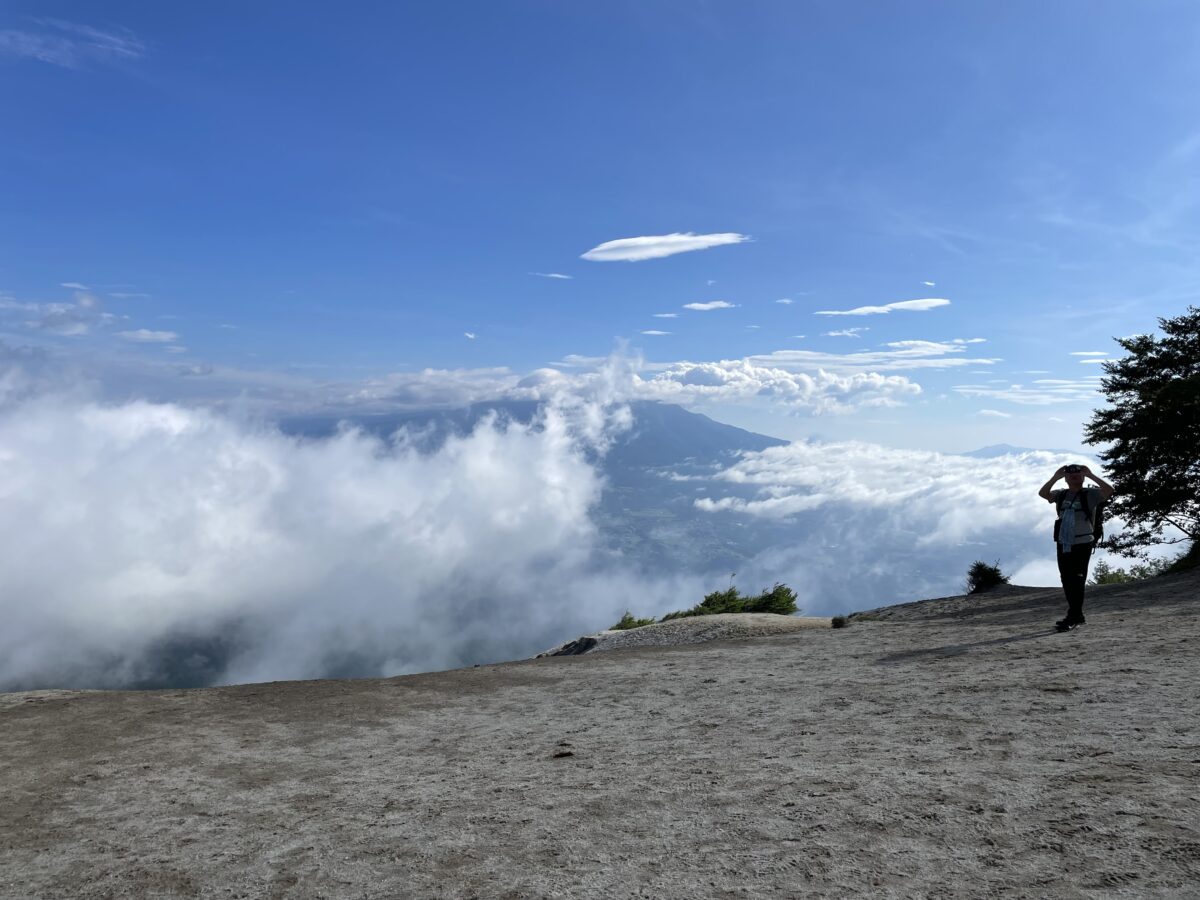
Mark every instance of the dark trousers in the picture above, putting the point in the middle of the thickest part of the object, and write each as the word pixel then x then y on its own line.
pixel 1073 567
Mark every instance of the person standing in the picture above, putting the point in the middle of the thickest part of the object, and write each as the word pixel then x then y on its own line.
pixel 1073 533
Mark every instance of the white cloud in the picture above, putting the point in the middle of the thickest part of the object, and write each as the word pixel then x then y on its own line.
pixel 910 305
pixel 1044 392
pixel 71 45
pixel 705 307
pixel 657 246
pixel 902 355
pixel 754 326
pixel 424 389
pixel 145 336
pixel 994 413
pixel 1089 353
pixel 552 275
pixel 75 285
pixel 913 498
pixel 740 381
pixel 666 315
pixel 786 301
pixel 655 332
pixel 1086 361
pixel 846 332
pixel 929 284
pixel 469 335
pixel 64 319
pixel 304 557
pixel 175 348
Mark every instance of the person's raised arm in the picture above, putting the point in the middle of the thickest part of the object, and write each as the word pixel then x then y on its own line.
pixel 1044 493
pixel 1106 489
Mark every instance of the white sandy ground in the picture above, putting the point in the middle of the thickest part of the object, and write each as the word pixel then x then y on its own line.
pixel 955 748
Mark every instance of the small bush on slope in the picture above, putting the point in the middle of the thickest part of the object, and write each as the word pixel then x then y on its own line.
pixel 628 621
pixel 780 600
pixel 982 577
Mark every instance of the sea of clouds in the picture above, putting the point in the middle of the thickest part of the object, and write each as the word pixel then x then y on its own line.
pixel 151 543
pixel 133 530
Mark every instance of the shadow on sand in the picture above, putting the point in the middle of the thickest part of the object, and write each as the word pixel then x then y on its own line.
pixel 959 649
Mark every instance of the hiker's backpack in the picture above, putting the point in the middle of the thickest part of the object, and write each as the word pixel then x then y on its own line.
pixel 1095 516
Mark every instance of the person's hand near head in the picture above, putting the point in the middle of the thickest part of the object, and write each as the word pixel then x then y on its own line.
pixel 1044 492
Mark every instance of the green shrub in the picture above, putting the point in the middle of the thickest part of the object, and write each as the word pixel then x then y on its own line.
pixel 628 621
pixel 1188 561
pixel 1103 573
pixel 780 600
pixel 982 577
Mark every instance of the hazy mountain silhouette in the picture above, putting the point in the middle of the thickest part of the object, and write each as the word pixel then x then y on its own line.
pixel 646 514
pixel 662 434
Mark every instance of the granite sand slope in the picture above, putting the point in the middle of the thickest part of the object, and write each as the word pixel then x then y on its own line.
pixel 956 747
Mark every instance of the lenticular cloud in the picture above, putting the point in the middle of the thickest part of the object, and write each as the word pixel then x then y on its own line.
pixel 635 249
pixel 151 544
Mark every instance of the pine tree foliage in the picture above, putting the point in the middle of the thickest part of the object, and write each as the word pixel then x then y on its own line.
pixel 1151 435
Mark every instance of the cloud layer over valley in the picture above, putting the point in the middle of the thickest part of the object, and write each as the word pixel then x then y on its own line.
pixel 155 543
pixel 146 538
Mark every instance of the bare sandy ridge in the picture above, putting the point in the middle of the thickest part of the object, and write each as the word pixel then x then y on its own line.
pixel 954 748
pixel 690 630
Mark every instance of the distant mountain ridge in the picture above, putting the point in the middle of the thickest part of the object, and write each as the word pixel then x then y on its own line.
pixel 662 434
pixel 996 450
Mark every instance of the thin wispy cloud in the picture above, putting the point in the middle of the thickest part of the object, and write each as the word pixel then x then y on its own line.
pixel 899 356
pixel 786 301
pixel 653 332
pixel 994 413
pixel 1043 392
pixel 469 335
pixel 145 336
pixel 71 45
pixel 845 332
pixel 635 249
pixel 63 319
pixel 705 307
pixel 666 315
pixel 74 285
pixel 922 305
pixel 929 283
pixel 558 275
pixel 1089 353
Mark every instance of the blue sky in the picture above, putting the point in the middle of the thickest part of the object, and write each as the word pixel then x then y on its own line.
pixel 318 203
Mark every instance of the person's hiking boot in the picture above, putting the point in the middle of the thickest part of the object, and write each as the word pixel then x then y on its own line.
pixel 1068 624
